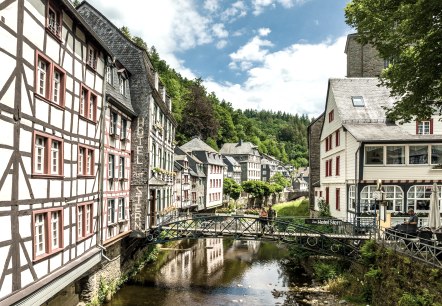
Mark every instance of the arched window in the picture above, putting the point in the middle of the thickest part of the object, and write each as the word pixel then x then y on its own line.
pixel 418 197
pixel 394 195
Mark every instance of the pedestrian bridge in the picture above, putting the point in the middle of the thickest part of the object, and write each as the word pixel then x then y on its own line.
pixel 326 236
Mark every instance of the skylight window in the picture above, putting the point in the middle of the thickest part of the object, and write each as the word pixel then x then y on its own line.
pixel 358 101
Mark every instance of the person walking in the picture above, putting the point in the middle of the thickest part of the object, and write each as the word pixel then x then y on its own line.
pixel 263 218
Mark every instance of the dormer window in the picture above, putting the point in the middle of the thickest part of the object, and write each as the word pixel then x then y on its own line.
pixel 122 84
pixel 424 127
pixel 358 101
pixel 92 55
pixel 53 21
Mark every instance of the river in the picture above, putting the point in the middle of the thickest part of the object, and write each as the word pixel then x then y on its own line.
pixel 213 272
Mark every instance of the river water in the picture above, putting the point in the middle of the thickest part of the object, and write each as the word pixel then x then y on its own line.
pixel 213 272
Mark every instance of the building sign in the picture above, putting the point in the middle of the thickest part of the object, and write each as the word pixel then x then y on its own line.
pixel 323 221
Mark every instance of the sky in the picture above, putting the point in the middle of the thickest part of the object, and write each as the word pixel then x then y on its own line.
pixel 274 55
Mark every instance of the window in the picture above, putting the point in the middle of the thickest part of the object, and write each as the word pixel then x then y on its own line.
pixel 358 101
pixel 121 208
pixel 338 199
pixel 91 57
pixel 122 84
pixel 121 169
pixel 328 142
pixel 85 161
pixel 436 154
pixel 352 197
pixel 424 127
pixel 418 197
pixel 123 128
pixel 53 21
pixel 367 199
pixel 327 195
pixel 418 155
pixel 395 155
pixel 113 123
pixel 338 165
pixel 84 220
pixel 394 197
pixel 331 116
pixel 111 167
pixel 88 104
pixel 109 71
pixel 328 167
pixel 374 155
pixel 110 211
pixel 47 236
pixel 47 155
pixel 50 80
pixel 337 138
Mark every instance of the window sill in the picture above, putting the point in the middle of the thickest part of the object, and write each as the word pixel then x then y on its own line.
pixel 88 65
pixel 46 255
pixel 54 35
pixel 45 175
pixel 85 176
pixel 61 107
pixel 82 238
pixel 87 119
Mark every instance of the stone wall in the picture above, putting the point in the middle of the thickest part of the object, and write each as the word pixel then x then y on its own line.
pixel 362 60
pixel 314 142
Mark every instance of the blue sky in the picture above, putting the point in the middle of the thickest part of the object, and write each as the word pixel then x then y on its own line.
pixel 260 54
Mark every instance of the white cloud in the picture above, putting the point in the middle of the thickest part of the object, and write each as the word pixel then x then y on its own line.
pixel 170 25
pixel 264 31
pixel 260 5
pixel 219 30
pixel 221 44
pixel 211 5
pixel 237 10
pixel 293 80
pixel 253 51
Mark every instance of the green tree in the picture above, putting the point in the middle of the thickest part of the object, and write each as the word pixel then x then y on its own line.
pixel 409 33
pixel 279 179
pixel 232 188
pixel 254 188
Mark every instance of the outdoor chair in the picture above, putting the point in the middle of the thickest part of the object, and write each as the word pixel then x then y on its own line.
pixel 425 235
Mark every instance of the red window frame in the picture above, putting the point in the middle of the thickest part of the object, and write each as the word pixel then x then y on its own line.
pixel 338 199
pixel 51 68
pixel 90 95
pixel 47 155
pixel 327 195
pixel 54 29
pixel 430 129
pixel 337 138
pixel 338 165
pixel 86 151
pixel 84 233
pixel 49 250
pixel 331 115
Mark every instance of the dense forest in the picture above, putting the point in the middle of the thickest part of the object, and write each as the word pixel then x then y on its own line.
pixel 216 121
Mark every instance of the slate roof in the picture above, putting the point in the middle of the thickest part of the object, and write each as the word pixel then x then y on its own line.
pixel 379 132
pixel 196 144
pixel 230 161
pixel 239 148
pixel 375 98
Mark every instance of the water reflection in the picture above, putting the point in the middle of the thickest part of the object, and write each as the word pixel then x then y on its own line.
pixel 210 272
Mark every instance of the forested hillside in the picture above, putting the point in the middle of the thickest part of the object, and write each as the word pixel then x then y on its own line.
pixel 200 113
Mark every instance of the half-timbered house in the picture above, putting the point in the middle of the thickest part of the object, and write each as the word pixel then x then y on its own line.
pixel 153 130
pixel 118 114
pixel 51 102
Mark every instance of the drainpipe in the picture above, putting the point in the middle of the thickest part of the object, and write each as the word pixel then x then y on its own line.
pixel 358 207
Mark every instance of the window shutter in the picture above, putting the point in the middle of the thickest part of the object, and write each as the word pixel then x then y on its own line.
pixel 431 126
pixel 417 127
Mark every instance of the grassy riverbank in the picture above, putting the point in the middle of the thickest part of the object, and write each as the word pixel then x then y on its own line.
pixel 298 208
